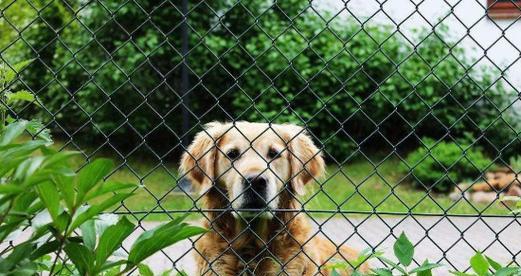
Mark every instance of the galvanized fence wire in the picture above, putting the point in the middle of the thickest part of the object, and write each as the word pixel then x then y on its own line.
pixel 189 83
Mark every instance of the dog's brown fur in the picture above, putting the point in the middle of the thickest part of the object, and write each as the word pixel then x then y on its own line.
pixel 284 243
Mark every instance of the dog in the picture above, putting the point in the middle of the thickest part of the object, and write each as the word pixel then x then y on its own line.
pixel 249 175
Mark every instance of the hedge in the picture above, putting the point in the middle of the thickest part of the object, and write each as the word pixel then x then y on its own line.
pixel 117 75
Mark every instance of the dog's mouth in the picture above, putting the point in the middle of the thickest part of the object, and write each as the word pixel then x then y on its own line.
pixel 254 200
pixel 252 205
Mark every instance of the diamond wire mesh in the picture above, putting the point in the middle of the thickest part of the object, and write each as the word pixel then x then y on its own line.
pixel 118 78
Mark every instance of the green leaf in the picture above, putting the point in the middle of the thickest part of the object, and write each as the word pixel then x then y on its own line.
pixel 159 238
pixel 424 273
pixel 13 155
pixel 65 185
pixel 46 248
pixel 364 256
pixel 382 272
pixel 479 264
pixel 12 131
pixel 10 189
pixel 111 240
pixel 495 265
pixel 90 175
pixel 63 221
pixel 58 159
pixel 20 252
pixel 113 271
pixel 14 69
pixel 508 271
pixel 337 264
pixel 27 203
pixel 110 267
pixel 36 128
pixel 392 264
pixel 28 167
pixel 50 198
pixel 109 187
pixel 88 232
pixel 81 256
pixel 169 272
pixel 95 210
pixel 457 273
pixel 26 269
pixel 148 234
pixel 20 95
pixel 403 250
pixel 144 270
pixel 425 267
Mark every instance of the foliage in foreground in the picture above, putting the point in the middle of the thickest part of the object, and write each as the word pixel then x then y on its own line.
pixel 439 165
pixel 41 194
pixel 403 249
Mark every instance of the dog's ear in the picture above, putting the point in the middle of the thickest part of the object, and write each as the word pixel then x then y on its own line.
pixel 306 159
pixel 197 162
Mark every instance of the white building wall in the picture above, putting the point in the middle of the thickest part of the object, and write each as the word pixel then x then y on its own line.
pixel 485 35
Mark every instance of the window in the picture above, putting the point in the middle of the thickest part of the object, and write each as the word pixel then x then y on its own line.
pixel 502 9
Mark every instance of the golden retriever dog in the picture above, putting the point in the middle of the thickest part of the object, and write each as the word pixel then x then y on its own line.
pixel 249 175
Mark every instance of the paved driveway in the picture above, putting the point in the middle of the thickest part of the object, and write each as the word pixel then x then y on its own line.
pixel 459 237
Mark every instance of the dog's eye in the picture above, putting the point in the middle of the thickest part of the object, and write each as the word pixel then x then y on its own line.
pixel 233 154
pixel 273 153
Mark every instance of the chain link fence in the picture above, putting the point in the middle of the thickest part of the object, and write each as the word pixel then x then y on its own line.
pixel 414 105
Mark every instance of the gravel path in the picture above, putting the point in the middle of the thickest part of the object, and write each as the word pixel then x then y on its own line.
pixel 459 237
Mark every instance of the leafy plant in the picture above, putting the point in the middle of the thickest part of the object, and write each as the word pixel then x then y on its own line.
pixel 39 190
pixel 439 166
pixel 364 256
pixel 403 251
pixel 7 97
pixel 485 266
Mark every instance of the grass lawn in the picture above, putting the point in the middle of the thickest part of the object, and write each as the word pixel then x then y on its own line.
pixel 360 187
pixel 356 187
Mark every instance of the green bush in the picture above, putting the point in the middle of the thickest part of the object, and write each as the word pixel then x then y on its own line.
pixel 354 87
pixel 351 85
pixel 438 166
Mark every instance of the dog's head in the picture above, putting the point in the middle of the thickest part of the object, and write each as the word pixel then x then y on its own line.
pixel 252 162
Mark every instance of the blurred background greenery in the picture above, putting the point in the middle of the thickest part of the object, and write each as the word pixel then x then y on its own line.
pixel 108 75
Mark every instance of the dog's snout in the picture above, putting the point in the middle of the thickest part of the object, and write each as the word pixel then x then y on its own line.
pixel 255 188
pixel 257 183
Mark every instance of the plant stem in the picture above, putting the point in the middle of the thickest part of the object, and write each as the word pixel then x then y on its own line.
pixel 56 258
pixel 4 215
pixel 2 98
pixel 127 269
pixel 62 239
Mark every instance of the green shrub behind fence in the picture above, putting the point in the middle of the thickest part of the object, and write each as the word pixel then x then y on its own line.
pixel 115 70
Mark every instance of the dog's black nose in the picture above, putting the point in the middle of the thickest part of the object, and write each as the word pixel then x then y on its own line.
pixel 255 192
pixel 256 183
